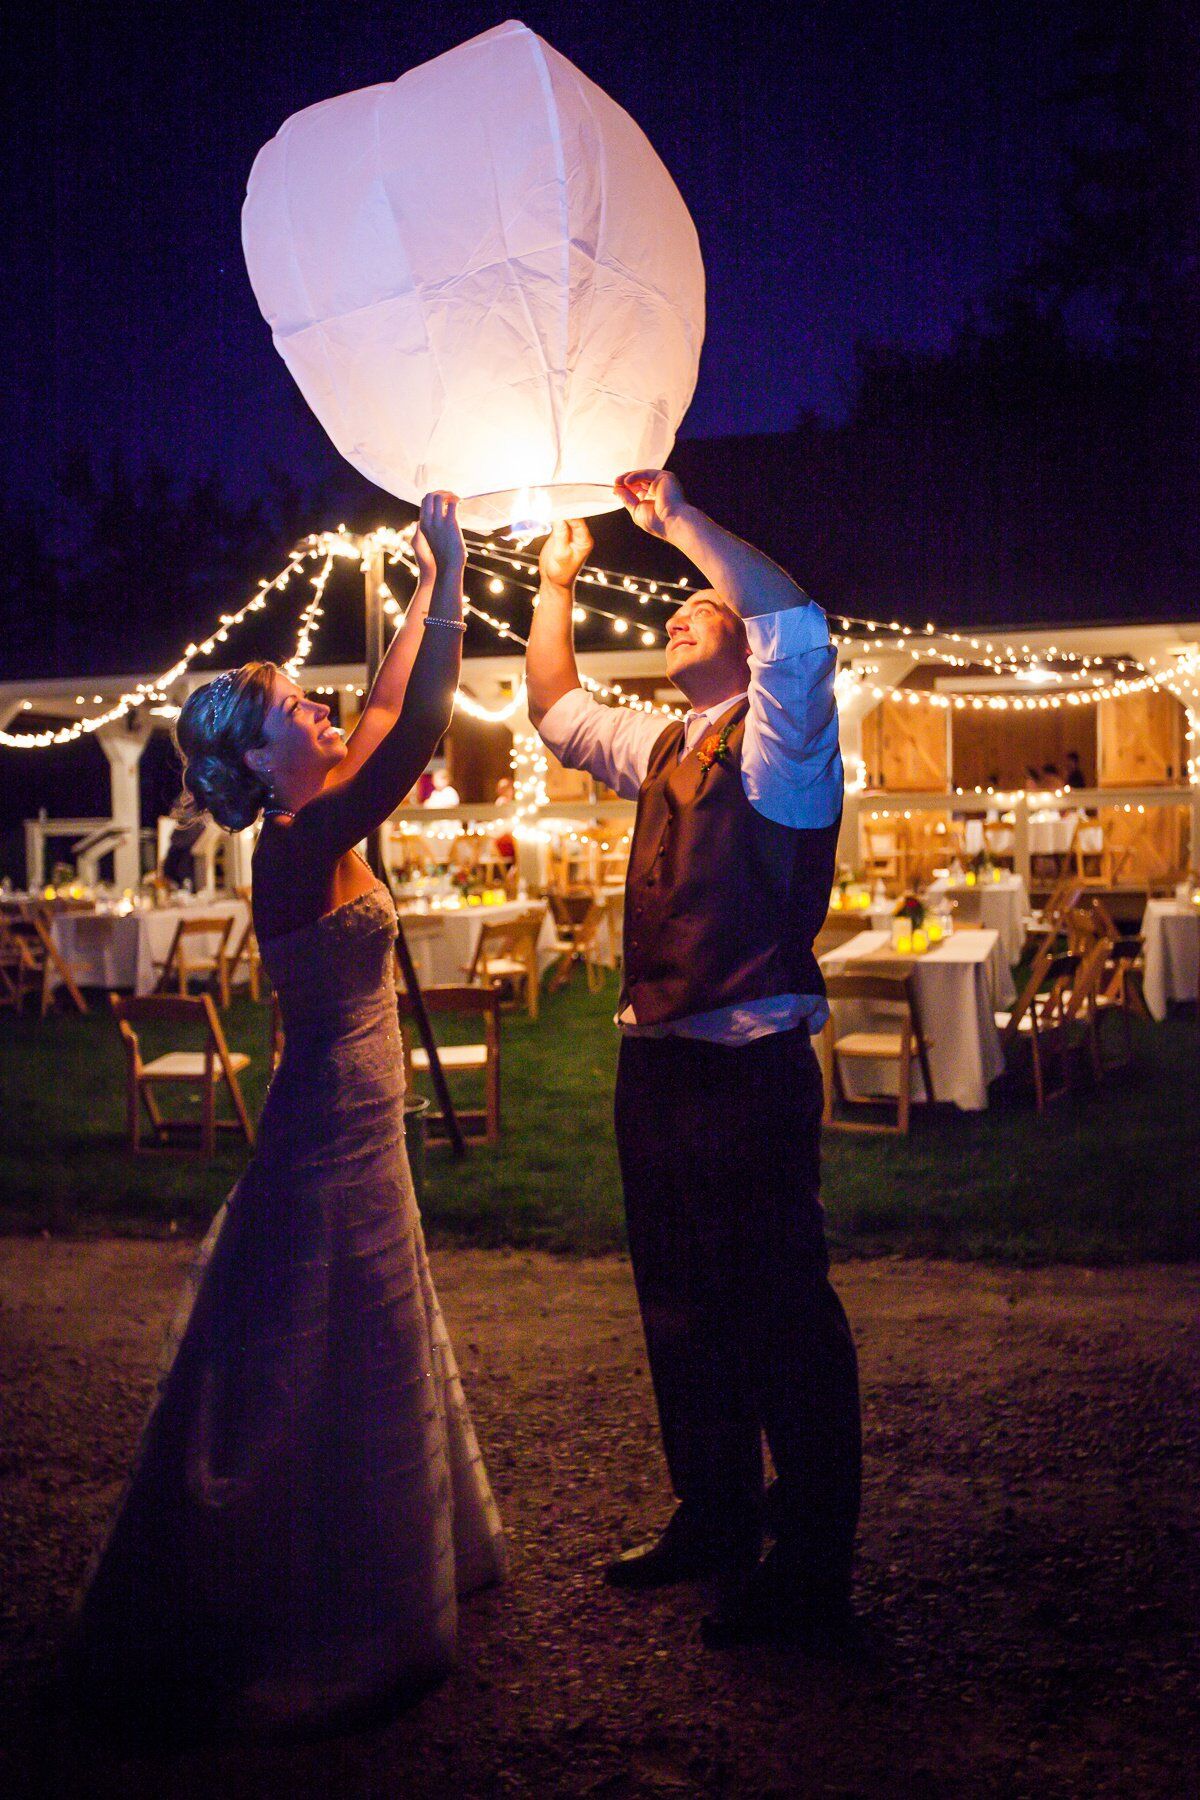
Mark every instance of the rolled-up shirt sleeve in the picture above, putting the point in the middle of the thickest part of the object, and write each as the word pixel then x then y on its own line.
pixel 611 743
pixel 791 764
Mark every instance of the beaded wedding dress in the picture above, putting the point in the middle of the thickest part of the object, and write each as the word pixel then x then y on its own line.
pixel 308 1497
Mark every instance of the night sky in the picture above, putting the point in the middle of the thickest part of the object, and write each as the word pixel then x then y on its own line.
pixel 862 172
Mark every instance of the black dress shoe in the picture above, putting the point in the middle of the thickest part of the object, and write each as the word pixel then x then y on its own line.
pixel 680 1554
pixel 684 1552
pixel 774 1608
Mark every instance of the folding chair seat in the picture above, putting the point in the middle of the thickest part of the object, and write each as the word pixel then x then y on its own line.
pixel 205 1071
pixel 479 1125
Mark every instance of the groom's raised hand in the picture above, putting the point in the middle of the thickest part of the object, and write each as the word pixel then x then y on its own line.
pixel 653 498
pixel 564 553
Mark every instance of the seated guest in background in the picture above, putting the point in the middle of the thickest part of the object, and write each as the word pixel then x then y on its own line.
pixel 1075 777
pixel 1033 776
pixel 441 793
pixel 1050 775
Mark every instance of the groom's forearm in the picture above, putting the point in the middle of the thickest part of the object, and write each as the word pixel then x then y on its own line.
pixel 745 577
pixel 550 667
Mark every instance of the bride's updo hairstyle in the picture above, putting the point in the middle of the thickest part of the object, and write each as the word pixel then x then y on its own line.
pixel 216 726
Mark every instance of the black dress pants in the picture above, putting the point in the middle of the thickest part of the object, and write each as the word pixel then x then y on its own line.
pixel 720 1162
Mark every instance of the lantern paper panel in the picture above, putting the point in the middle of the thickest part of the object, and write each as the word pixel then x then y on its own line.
pixel 482 278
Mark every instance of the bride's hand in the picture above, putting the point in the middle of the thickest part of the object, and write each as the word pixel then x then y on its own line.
pixel 426 567
pixel 441 530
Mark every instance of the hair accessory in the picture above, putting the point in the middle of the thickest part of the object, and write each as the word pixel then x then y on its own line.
pixel 446 624
pixel 222 685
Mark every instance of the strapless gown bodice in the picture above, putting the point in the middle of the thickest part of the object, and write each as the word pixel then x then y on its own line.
pixel 334 977
pixel 309 1497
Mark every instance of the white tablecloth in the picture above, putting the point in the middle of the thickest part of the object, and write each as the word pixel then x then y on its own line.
pixel 1002 906
pixel 1051 837
pixel 119 950
pixel 443 939
pixel 959 984
pixel 1171 929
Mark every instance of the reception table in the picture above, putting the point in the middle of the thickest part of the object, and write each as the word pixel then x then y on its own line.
pixel 1171 933
pixel 442 939
pixel 1001 906
pixel 959 984
pixel 121 949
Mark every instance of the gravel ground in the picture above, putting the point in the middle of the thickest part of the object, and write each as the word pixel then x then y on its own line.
pixel 1029 1569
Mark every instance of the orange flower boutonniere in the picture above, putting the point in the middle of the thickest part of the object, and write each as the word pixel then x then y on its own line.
pixel 714 749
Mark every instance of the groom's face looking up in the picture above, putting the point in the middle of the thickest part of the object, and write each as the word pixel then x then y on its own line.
pixel 707 653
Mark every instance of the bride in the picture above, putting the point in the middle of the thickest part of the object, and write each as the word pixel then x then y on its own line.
pixel 308 1496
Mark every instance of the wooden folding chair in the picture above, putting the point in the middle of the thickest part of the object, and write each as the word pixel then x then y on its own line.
pixel 507 952
pixel 19 973
pixel 246 950
pixel 1043 925
pixel 894 995
pixel 201 1070
pixel 882 854
pixel 999 842
pixel 1039 1020
pixel 180 963
pixel 1091 854
pixel 480 1125
pixel 1083 1006
pixel 29 959
pixel 577 920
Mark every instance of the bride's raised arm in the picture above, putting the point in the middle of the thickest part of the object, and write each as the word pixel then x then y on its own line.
pixel 421 693
pixel 386 699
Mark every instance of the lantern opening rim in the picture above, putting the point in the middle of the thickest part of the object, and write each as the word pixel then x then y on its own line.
pixel 495 512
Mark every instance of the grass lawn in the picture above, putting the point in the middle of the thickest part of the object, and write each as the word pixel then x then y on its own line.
pixel 1109 1175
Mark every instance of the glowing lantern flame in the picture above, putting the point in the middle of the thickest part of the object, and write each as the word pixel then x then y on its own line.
pixel 532 516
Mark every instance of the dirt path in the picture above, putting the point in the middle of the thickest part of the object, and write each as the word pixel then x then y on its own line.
pixel 1029 1560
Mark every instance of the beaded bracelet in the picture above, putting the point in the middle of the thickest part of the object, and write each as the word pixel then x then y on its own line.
pixel 446 624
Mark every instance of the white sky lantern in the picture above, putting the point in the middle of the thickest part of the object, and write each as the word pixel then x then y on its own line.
pixel 482 278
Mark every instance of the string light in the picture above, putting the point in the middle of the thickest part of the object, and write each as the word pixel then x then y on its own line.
pixel 1078 678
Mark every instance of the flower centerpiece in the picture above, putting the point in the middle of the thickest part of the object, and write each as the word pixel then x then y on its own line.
pixel 909 935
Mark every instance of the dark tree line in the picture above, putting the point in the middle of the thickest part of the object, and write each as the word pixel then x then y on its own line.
pixel 1047 464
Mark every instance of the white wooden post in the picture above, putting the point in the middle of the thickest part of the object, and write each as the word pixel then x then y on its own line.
pixel 123 744
pixel 1022 862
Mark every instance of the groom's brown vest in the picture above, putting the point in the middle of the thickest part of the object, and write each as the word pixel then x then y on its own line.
pixel 721 904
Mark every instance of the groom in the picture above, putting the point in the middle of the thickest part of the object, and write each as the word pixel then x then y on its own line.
pixel 718 1100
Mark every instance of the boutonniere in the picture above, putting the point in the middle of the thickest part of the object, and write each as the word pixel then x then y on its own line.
pixel 714 749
